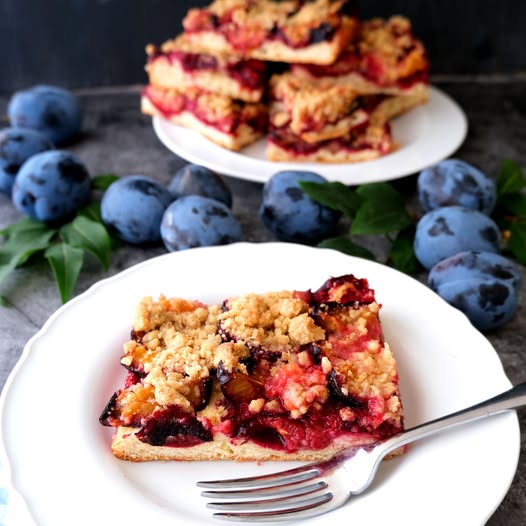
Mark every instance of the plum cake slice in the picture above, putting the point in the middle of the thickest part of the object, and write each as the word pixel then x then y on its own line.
pixel 288 375
pixel 230 123
pixel 312 31
pixel 386 58
pixel 318 111
pixel 179 64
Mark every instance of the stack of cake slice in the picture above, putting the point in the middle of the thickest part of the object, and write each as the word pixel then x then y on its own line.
pixel 319 83
pixel 220 96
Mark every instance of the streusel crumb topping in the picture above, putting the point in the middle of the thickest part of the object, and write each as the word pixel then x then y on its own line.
pixel 268 13
pixel 393 39
pixel 173 334
pixel 305 105
pixel 272 361
pixel 275 320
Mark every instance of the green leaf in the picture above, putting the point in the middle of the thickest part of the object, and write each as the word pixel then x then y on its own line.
pixel 514 204
pixel 103 181
pixel 510 179
pixel 373 219
pixel 21 244
pixel 402 254
pixel 91 211
pixel 346 246
pixel 335 195
pixel 382 210
pixel 379 192
pixel 86 234
pixel 66 263
pixel 517 241
pixel 26 224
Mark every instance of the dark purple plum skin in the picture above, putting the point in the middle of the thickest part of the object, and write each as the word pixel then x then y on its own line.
pixel 290 214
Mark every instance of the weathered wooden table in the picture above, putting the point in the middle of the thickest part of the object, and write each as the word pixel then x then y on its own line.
pixel 118 139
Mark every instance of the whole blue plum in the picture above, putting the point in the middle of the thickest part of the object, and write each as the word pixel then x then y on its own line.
pixel 193 179
pixel 446 231
pixel 197 221
pixel 53 111
pixel 50 186
pixel 472 264
pixel 17 145
pixel 455 182
pixel 132 209
pixel 290 214
pixel 488 303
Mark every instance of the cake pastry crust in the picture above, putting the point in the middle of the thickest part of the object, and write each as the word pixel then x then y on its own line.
pixel 287 375
pixel 363 143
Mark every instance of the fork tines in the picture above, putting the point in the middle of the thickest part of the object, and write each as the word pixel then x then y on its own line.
pixel 285 495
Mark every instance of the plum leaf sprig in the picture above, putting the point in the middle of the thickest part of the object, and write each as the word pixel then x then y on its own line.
pixel 378 209
pixel 510 210
pixel 63 247
pixel 374 209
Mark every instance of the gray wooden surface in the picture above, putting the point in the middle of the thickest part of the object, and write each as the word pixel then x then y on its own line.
pixel 118 139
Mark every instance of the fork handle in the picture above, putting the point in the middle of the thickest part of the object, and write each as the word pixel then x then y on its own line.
pixel 511 399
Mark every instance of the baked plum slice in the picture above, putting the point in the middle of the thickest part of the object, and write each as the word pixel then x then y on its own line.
pixel 337 392
pixel 344 290
pixel 201 392
pixel 129 407
pixel 238 387
pixel 263 434
pixel 173 427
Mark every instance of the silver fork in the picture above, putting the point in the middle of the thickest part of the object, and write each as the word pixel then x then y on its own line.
pixel 319 487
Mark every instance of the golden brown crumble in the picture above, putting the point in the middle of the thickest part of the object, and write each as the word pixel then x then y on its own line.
pixel 313 107
pixel 295 18
pixel 276 321
pixel 183 43
pixel 177 343
pixel 392 39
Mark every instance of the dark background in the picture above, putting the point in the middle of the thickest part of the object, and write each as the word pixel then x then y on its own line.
pixel 93 43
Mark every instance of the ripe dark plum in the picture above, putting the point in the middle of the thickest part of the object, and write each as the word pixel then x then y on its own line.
pixel 473 264
pixel 455 182
pixel 53 111
pixel 446 231
pixel 132 209
pixel 193 179
pixel 290 214
pixel 50 186
pixel 196 221
pixel 487 303
pixel 17 145
pixel 483 285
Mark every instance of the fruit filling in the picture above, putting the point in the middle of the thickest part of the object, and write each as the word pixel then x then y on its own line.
pixel 249 73
pixel 217 111
pixel 288 371
pixel 358 139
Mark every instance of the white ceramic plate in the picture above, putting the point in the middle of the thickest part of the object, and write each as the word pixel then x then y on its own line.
pixel 426 134
pixel 59 455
